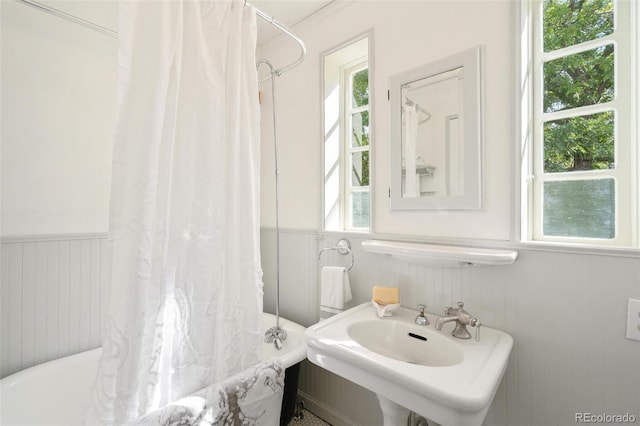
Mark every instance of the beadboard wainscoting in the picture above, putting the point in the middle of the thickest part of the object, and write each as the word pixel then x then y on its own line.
pixel 53 297
pixel 565 311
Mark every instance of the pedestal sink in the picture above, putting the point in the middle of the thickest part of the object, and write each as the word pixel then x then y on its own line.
pixel 410 367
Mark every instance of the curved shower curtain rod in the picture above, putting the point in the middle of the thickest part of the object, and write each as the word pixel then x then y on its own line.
pixel 93 26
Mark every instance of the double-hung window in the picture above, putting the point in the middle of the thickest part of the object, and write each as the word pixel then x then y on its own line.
pixel 582 178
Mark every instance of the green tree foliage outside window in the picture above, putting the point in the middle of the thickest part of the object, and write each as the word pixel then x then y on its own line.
pixel 570 22
pixel 360 93
pixel 587 78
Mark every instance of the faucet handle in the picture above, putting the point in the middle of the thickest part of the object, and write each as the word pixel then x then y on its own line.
pixel 461 310
pixel 421 319
pixel 475 322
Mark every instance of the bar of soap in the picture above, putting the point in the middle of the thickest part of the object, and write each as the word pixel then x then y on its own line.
pixel 386 295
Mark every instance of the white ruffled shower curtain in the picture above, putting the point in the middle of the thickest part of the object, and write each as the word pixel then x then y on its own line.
pixel 186 284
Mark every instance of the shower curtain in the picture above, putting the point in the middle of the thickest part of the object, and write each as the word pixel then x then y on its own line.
pixel 186 283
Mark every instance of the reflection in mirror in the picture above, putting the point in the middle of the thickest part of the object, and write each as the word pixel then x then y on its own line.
pixel 436 135
pixel 431 151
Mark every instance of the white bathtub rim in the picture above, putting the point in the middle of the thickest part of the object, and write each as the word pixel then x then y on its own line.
pixel 38 369
pixel 288 357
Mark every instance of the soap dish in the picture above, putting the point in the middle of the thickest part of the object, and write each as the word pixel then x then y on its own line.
pixel 384 310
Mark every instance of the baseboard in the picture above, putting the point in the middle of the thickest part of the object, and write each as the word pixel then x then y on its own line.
pixel 324 412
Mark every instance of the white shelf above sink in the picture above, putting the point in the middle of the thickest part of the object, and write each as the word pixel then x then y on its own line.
pixel 441 254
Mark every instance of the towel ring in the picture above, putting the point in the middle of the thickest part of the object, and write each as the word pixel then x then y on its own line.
pixel 343 247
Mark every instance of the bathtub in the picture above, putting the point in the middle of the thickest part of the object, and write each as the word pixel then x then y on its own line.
pixel 57 392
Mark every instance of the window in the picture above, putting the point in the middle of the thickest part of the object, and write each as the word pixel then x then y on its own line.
pixel 581 186
pixel 356 148
pixel 347 137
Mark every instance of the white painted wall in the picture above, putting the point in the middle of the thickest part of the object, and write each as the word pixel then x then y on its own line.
pixel 58 113
pixel 406 34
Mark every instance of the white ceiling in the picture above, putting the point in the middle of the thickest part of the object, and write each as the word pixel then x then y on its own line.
pixel 287 12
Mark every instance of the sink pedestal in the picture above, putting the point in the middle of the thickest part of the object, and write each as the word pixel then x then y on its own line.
pixel 392 413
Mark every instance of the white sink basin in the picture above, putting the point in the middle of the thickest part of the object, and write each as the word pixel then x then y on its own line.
pixel 448 380
pixel 405 342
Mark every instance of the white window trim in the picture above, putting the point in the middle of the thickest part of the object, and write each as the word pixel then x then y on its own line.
pixel 346 112
pixel 529 156
pixel 332 63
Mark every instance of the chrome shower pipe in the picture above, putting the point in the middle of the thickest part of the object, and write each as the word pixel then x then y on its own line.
pixel 275 334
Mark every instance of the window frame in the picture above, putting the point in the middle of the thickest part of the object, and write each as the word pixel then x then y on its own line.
pixel 532 118
pixel 333 61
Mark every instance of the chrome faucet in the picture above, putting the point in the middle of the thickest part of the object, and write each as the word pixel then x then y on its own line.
pixel 275 335
pixel 462 319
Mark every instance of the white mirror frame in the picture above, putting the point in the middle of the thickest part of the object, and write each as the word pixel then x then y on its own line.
pixel 471 199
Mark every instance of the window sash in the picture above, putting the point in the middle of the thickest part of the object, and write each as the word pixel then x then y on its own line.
pixel 348 111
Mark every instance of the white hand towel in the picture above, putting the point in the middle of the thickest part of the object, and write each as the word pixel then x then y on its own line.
pixel 335 289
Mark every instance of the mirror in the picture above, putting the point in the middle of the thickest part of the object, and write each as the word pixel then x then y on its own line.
pixel 436 135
